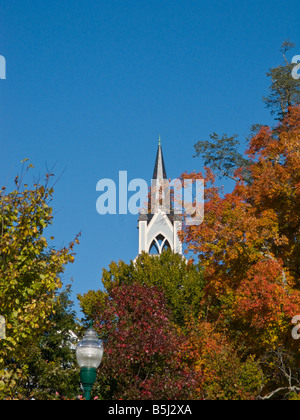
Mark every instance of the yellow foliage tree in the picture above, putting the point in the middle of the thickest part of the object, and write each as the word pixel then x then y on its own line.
pixel 29 276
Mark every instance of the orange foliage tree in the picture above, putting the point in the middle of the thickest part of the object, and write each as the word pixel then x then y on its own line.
pixel 249 245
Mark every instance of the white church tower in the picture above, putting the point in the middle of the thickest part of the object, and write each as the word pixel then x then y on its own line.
pixel 159 226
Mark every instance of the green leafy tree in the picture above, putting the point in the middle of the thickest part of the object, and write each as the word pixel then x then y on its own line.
pixel 52 368
pixel 222 156
pixel 30 273
pixel 180 281
pixel 284 89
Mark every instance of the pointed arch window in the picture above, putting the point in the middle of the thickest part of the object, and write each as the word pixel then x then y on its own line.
pixel 160 239
pixel 159 244
pixel 166 245
pixel 154 250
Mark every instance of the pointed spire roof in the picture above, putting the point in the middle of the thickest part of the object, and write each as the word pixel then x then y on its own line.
pixel 159 168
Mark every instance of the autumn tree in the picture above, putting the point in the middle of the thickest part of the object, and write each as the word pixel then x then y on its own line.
pixel 179 280
pixel 249 245
pixel 222 373
pixel 142 346
pixel 140 312
pixel 249 241
pixel 30 273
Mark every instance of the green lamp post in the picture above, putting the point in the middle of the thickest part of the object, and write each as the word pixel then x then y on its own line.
pixel 89 353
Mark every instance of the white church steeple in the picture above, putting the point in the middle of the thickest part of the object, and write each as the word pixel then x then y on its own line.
pixel 158 228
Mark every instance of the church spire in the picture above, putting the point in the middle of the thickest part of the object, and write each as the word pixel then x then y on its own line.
pixel 159 227
pixel 159 168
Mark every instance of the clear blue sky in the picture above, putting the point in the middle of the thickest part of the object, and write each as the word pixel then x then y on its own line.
pixel 91 84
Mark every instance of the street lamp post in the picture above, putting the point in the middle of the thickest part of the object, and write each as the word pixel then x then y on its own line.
pixel 89 353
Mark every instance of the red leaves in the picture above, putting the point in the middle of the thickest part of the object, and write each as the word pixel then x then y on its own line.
pixel 142 345
pixel 262 299
pixel 249 242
